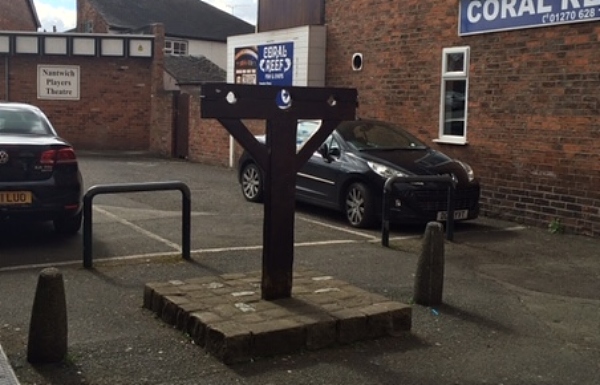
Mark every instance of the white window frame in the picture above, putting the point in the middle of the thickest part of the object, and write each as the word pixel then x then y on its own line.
pixel 462 75
pixel 170 47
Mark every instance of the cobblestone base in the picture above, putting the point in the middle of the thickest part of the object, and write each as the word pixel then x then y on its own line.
pixel 226 315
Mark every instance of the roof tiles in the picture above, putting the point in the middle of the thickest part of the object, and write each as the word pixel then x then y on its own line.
pixel 181 18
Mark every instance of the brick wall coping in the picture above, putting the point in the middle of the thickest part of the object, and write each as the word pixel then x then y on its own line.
pixel 76 44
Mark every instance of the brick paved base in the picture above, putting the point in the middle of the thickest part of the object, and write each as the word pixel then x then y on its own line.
pixel 226 315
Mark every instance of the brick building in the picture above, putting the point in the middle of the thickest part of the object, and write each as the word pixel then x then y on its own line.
pixel 520 102
pixel 192 27
pixel 78 80
pixel 121 92
pixel 194 40
pixel 18 15
pixel 127 98
pixel 510 86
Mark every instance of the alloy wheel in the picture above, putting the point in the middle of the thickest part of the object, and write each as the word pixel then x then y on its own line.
pixel 252 183
pixel 359 206
pixel 355 206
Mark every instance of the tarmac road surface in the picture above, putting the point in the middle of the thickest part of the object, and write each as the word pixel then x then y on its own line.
pixel 521 305
pixel 150 223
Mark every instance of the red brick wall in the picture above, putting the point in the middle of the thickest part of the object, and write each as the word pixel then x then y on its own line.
pixel 87 13
pixel 112 112
pixel 534 103
pixel 122 105
pixel 209 140
pixel 16 15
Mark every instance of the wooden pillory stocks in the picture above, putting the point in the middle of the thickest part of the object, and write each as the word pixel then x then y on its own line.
pixel 281 107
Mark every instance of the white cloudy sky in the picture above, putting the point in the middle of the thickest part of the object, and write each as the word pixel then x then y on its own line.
pixel 63 13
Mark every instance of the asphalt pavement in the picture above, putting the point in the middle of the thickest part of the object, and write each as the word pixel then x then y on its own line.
pixel 520 305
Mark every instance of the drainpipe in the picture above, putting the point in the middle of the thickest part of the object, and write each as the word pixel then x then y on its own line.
pixel 231 152
pixel 6 78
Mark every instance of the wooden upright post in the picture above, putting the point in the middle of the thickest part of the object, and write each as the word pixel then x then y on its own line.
pixel 278 226
pixel 278 159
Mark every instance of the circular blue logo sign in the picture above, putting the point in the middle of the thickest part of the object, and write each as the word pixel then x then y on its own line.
pixel 284 99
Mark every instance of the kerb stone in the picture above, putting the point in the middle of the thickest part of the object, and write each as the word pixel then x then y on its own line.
pixel 229 342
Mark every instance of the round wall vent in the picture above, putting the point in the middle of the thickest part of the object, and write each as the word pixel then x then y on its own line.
pixel 357 61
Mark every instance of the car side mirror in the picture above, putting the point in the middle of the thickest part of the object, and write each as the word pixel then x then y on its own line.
pixel 324 151
pixel 328 153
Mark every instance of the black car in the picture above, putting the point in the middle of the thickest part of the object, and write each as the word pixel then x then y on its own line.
pixel 39 175
pixel 350 169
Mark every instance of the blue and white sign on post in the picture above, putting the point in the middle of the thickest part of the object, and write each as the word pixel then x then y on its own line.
pixel 276 64
pixel 484 16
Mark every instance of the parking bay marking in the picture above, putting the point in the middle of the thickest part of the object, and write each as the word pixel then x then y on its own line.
pixel 338 228
pixel 175 246
pixel 140 214
pixel 220 250
pixel 139 229
pixel 225 249
pixel 370 239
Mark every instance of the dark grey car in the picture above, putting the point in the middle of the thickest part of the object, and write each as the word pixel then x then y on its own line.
pixel 350 169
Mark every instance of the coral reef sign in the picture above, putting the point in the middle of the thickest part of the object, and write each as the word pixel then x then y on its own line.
pixel 265 65
pixel 485 16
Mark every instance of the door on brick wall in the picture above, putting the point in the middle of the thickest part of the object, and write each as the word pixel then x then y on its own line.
pixel 181 123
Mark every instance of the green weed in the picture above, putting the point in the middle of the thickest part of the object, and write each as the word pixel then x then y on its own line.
pixel 556 227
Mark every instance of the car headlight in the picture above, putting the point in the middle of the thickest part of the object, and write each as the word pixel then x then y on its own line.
pixel 384 171
pixel 468 170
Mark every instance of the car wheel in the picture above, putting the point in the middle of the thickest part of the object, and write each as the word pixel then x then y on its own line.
pixel 68 225
pixel 252 183
pixel 359 206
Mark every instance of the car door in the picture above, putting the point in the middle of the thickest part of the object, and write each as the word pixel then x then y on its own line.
pixel 317 180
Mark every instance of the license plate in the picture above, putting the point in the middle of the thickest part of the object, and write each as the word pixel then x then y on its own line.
pixel 8 198
pixel 458 214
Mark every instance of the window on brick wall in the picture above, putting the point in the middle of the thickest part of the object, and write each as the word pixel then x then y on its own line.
pixel 87 26
pixel 454 95
pixel 176 47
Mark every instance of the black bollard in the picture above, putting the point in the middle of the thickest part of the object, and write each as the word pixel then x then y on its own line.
pixel 48 327
pixel 429 280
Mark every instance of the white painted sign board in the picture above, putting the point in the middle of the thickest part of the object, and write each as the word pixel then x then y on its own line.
pixel 58 82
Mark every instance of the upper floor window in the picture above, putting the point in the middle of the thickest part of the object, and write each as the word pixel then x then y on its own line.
pixel 87 26
pixel 454 95
pixel 176 47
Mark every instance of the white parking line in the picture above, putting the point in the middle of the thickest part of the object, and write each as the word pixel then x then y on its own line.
pixel 369 238
pixel 337 228
pixel 514 228
pixel 250 248
pixel 171 254
pixel 139 229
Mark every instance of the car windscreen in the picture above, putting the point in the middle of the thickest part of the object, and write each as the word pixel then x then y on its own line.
pixel 22 122
pixel 370 135
pixel 306 129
